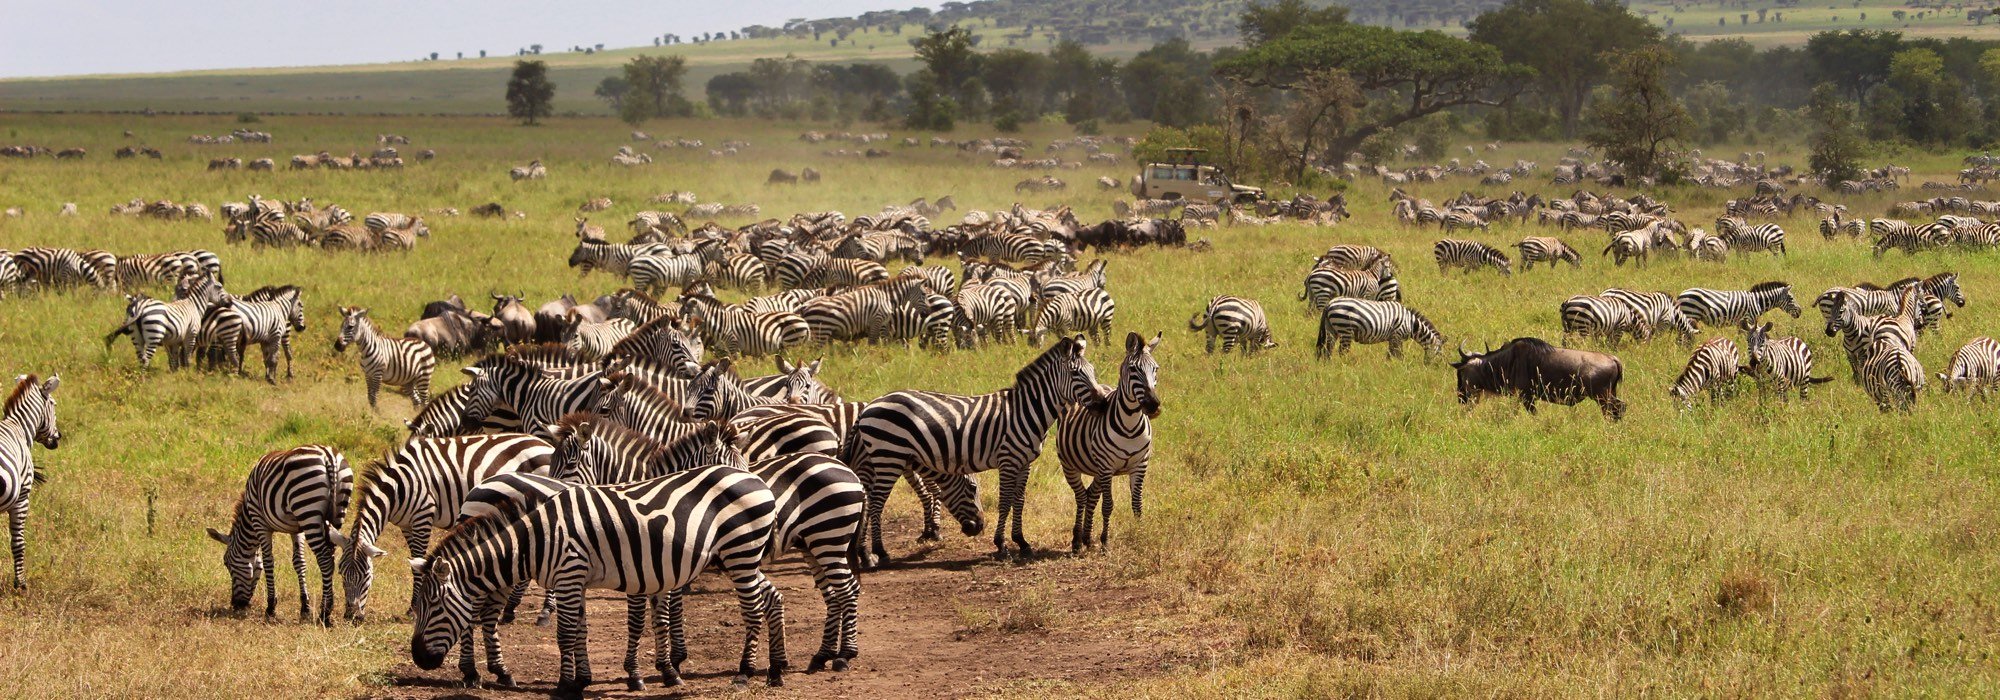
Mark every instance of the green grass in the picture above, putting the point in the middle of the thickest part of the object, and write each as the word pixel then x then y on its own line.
pixel 1337 527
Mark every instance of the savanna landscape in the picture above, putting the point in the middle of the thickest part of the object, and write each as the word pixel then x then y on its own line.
pixel 1314 526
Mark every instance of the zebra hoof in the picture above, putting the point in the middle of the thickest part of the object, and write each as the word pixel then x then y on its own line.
pixel 470 682
pixel 818 662
pixel 635 683
pixel 668 676
pixel 839 665
pixel 740 680
pixel 929 536
pixel 504 680
pixel 507 618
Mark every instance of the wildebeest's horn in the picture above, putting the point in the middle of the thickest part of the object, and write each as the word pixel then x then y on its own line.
pixel 1461 351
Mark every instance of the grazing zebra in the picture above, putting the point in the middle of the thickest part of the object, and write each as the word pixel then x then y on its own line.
pixel 1712 368
pixel 663 271
pixel 985 311
pixel 404 362
pixel 56 268
pixel 854 313
pixel 1835 226
pixel 645 538
pixel 1470 255
pixel 532 171
pixel 1089 311
pixel 1547 249
pixel 929 324
pixel 1757 238
pixel 738 271
pixel 1706 247
pixel 1975 367
pixel 154 324
pixel 1604 317
pixel 266 317
pixel 134 271
pixel 1349 321
pixel 1348 256
pixel 418 489
pixel 1780 363
pixel 302 492
pixel 1630 245
pixel 615 259
pixel 735 330
pixel 380 221
pixel 463 410
pixel 590 340
pixel 1110 437
pixel 962 435
pixel 1729 308
pixel 1892 234
pixel 1892 376
pixel 29 416
pixel 1238 321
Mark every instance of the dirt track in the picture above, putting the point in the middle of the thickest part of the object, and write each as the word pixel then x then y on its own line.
pixel 941 621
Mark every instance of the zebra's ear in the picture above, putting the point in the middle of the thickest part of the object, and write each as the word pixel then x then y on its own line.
pixel 54 383
pixel 338 538
pixel 812 368
pixel 1155 342
pixel 217 536
pixel 1133 343
pixel 785 366
pixel 417 566
pixel 474 372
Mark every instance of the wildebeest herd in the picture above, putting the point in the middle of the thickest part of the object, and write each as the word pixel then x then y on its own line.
pixel 598 445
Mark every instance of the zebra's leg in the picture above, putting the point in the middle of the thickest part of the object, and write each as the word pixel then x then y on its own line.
pixel 751 597
pixel 1078 533
pixel 1211 340
pixel 1013 493
pixel 927 491
pixel 850 621
pixel 374 386
pixel 17 533
pixel 1102 485
pixel 831 594
pixel 513 602
pixel 677 646
pixel 548 614
pixel 468 661
pixel 285 344
pixel 270 582
pixel 323 554
pixel 270 362
pixel 420 390
pixel 299 566
pixel 489 626
pixel 635 633
pixel 1139 492
pixel 879 478
pixel 665 619
pixel 572 637
pixel 1395 348
pixel 774 632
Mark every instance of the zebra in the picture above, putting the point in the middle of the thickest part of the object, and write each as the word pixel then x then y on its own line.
pixel 532 171
pixel 1348 321
pixel 819 510
pixel 405 362
pixel 1089 311
pixel 929 324
pixel 1909 238
pixel 382 221
pixel 643 538
pixel 737 330
pixel 1975 367
pixel 135 271
pixel 1348 256
pixel 267 317
pixel 56 268
pixel 660 271
pixel 1728 308
pixel 29 416
pixel 1713 368
pixel 1892 376
pixel 1604 317
pixel 985 311
pixel 717 393
pixel 738 271
pixel 418 488
pixel 154 324
pixel 591 339
pixel 1834 226
pixel 463 410
pixel 961 435
pixel 1471 255
pixel 615 259
pixel 1780 363
pixel 302 492
pixel 854 313
pixel 1760 237
pixel 1547 249
pixel 1236 320
pixel 1110 437
pixel 1630 245
pixel 540 397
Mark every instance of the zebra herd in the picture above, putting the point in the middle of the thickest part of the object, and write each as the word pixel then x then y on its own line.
pixel 268 223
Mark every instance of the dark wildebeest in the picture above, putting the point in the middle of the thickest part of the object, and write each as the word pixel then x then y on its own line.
pixel 455 332
pixel 517 323
pixel 554 316
pixel 1535 370
pixel 782 177
pixel 453 304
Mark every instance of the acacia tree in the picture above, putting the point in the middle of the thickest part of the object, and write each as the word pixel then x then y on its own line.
pixel 1564 41
pixel 1397 77
pixel 654 89
pixel 1836 142
pixel 530 94
pixel 1638 118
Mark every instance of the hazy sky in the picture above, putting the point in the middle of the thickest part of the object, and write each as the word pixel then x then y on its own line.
pixel 70 37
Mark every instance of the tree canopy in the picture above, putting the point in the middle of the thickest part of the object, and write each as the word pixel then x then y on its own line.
pixel 1565 42
pixel 530 94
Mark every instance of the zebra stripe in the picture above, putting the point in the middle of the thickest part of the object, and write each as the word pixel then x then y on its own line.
pixel 1975 367
pixel 1780 363
pixel 1603 317
pixel 1547 249
pixel 29 416
pixel 1089 312
pixel 1729 308
pixel 737 330
pixel 1712 367
pixel 404 362
pixel 1892 376
pixel 154 324
pixel 1349 321
pixel 1238 321
pixel 1111 437
pixel 302 492
pixel 541 398
pixel 1470 255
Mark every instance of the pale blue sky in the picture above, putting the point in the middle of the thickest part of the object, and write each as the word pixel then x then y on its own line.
pixel 71 37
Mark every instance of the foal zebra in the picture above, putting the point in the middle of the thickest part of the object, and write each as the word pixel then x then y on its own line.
pixel 1471 255
pixel 419 488
pixel 1109 437
pixel 302 492
pixel 1347 321
pixel 405 362
pixel 1237 320
pixel 962 435
pixel 29 416
pixel 1713 368
pixel 1975 367
pixel 644 538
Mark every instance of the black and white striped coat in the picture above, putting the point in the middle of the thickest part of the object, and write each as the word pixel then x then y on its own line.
pixel 1754 238
pixel 1781 364
pixel 1975 367
pixel 962 435
pixel 1349 321
pixel 1604 317
pixel 1324 284
pixel 463 410
pixel 419 489
pixel 540 397
pixel 1892 376
pixel 1547 249
pixel 852 314
pixel 615 259
pixel 736 330
pixel 646 538
pixel 1109 437
pixel 928 324
pixel 1089 311
pixel 591 340
pixel 404 362
pixel 1711 368
pixel 57 268
pixel 266 317
pixel 1658 310
pixel 1238 321
pixel 28 417
pixel 154 324
pixel 1470 255
pixel 302 492
pixel 663 271
pixel 1726 308
pixel 986 312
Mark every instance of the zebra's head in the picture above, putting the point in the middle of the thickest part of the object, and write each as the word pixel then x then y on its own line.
pixel 802 384
pixel 241 557
pixel 1945 285
pixel 576 449
pixel 440 612
pixel 1140 376
pixel 33 405
pixel 357 571
pixel 1082 376
pixel 352 320
pixel 713 391
pixel 295 310
pixel 960 493
pixel 715 443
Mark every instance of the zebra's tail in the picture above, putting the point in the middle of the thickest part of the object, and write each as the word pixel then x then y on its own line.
pixel 131 326
pixel 339 492
pixel 1823 380
pixel 1200 320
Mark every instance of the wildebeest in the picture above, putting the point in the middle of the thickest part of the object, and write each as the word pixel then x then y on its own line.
pixel 782 177
pixel 454 332
pixel 517 323
pixel 552 317
pixel 452 304
pixel 1536 370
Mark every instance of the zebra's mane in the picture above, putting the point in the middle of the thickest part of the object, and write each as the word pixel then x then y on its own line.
pixel 20 390
pixel 627 384
pixel 532 354
pixel 608 429
pixel 271 292
pixel 641 335
pixel 1769 286
pixel 503 512
pixel 369 475
pixel 1048 357
pixel 1870 287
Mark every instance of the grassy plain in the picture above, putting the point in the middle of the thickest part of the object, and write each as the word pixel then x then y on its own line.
pixel 1338 527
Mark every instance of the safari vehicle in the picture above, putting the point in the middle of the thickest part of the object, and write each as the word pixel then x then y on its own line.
pixel 1183 176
